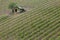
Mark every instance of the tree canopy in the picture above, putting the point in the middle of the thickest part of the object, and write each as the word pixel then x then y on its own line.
pixel 12 5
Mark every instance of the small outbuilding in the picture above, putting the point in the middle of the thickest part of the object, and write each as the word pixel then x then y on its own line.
pixel 15 8
pixel 18 9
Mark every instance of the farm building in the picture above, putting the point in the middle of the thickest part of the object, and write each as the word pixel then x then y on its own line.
pixel 18 9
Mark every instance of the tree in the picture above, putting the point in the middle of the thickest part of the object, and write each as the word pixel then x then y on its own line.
pixel 12 5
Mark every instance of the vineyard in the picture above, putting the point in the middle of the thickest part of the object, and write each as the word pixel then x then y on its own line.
pixel 40 23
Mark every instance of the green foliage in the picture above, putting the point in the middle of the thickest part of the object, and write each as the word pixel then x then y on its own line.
pixel 12 5
pixel 39 22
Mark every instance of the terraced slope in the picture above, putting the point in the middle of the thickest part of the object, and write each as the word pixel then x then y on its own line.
pixel 41 23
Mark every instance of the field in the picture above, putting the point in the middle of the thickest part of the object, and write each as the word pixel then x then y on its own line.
pixel 41 22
